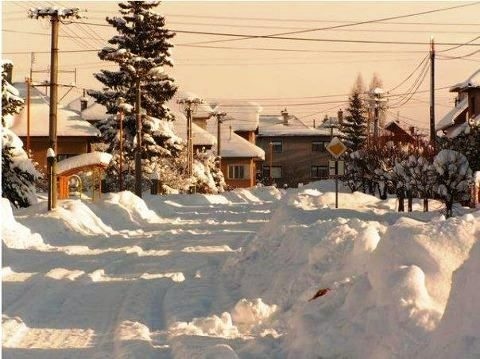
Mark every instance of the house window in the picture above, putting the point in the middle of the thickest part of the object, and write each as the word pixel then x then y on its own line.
pixel 277 146
pixel 238 172
pixel 276 171
pixel 319 172
pixel 318 146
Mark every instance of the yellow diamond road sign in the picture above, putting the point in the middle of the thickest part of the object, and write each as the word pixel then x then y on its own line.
pixel 336 147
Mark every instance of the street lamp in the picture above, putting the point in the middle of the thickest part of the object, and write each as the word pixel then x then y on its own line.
pixel 189 106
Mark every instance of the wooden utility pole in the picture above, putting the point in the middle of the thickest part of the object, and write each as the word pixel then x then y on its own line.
pixel 120 160
pixel 52 137
pixel 55 14
pixel 219 116
pixel 189 104
pixel 138 148
pixel 28 82
pixel 432 95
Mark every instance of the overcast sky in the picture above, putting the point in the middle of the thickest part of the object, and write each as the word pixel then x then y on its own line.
pixel 300 75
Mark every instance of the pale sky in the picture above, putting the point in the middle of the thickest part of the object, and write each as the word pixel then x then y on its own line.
pixel 298 75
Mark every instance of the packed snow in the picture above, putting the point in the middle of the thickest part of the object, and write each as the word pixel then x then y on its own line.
pixel 233 275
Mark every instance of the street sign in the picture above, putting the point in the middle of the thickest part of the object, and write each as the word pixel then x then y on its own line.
pixel 336 147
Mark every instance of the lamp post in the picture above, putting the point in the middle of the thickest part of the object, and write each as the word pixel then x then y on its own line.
pixel 377 94
pixel 270 164
pixel 189 106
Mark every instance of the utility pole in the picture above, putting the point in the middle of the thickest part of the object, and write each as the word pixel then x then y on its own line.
pixel 28 81
pixel 138 148
pixel 189 105
pixel 432 95
pixel 220 116
pixel 55 14
pixel 120 160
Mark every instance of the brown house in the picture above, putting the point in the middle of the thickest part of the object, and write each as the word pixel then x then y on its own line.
pixel 294 152
pixel 394 132
pixel 74 135
pixel 467 107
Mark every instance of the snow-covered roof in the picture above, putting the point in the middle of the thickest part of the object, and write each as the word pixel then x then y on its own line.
pixel 456 130
pixel 85 159
pixel 472 82
pixel 449 119
pixel 273 125
pixel 233 145
pixel 95 112
pixel 69 123
pixel 200 136
pixel 241 115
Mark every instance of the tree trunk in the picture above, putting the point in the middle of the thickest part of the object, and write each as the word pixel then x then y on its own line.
pixel 410 201
pixel 425 204
pixel 401 202
pixel 449 205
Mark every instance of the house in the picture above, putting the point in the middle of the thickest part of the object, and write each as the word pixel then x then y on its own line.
pixel 394 132
pixel 74 135
pixel 295 152
pixel 467 107
pixel 239 156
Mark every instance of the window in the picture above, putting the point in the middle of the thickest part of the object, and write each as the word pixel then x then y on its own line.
pixel 319 146
pixel 276 172
pixel 238 172
pixel 319 172
pixel 277 146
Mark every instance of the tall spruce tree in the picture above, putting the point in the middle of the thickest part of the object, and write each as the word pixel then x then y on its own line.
pixel 18 172
pixel 142 51
pixel 355 124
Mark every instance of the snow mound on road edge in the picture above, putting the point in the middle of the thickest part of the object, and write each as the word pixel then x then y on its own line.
pixel 390 282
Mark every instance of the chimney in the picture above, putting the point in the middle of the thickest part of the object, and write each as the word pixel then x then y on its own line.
pixel 285 116
pixel 83 101
pixel 325 119
pixel 340 117
pixel 412 130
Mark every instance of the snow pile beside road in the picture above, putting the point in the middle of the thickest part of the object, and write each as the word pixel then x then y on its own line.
pixel 458 335
pixel 390 275
pixel 14 234
pixel 246 317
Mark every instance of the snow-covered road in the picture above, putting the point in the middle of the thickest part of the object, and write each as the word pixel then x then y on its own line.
pixel 114 280
pixel 230 276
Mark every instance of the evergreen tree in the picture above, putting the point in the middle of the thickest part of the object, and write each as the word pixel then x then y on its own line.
pixel 355 125
pixel 467 143
pixel 18 172
pixel 142 50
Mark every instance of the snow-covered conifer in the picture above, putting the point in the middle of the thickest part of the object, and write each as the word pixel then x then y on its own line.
pixel 142 51
pixel 18 172
pixel 453 176
pixel 355 124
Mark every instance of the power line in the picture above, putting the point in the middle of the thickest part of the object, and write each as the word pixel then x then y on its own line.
pixel 279 37
pixel 410 75
pixel 355 24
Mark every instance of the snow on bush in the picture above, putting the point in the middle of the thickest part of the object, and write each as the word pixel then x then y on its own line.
pixel 453 177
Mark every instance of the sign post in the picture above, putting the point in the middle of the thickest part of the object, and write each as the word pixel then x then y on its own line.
pixel 336 168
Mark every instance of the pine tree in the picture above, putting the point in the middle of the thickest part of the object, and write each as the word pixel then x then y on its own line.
pixel 18 172
pixel 142 50
pixel 355 125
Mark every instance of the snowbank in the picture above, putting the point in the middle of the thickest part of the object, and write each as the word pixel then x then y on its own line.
pixel 390 276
